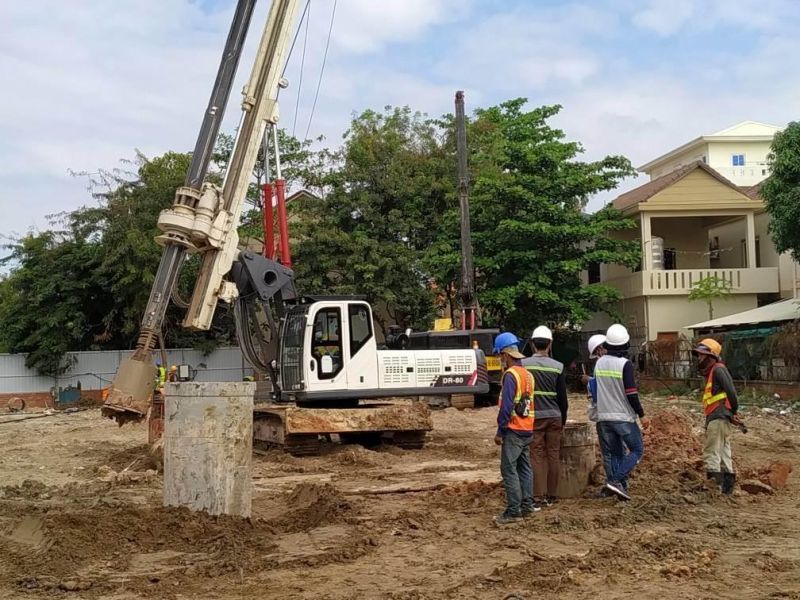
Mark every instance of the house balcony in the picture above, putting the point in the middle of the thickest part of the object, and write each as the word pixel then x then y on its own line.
pixel 679 282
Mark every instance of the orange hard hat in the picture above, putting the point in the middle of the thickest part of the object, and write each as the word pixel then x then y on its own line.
pixel 173 368
pixel 709 347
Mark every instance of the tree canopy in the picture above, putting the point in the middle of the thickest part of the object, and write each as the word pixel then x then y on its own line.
pixel 781 190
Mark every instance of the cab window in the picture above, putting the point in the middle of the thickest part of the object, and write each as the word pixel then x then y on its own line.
pixel 360 326
pixel 326 345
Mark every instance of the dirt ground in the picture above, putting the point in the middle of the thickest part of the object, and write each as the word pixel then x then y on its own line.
pixel 80 517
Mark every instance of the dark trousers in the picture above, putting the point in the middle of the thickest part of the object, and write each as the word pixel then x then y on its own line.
pixel 515 468
pixel 615 438
pixel 546 456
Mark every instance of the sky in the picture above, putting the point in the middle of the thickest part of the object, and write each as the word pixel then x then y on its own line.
pixel 90 82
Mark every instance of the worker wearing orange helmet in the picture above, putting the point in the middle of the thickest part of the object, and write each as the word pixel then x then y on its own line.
pixel 720 407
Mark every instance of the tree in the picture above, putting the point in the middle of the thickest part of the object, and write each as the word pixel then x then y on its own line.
pixel 56 300
pixel 781 190
pixel 531 237
pixel 385 192
pixel 709 289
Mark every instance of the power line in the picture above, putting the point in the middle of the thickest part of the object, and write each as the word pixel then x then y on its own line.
pixel 302 64
pixel 321 71
pixel 291 48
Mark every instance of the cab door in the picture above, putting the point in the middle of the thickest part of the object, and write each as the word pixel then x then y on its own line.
pixel 361 349
pixel 325 362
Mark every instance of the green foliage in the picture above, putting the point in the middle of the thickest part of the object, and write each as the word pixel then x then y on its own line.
pixel 55 302
pixel 781 190
pixel 85 288
pixel 384 192
pixel 709 289
pixel 532 240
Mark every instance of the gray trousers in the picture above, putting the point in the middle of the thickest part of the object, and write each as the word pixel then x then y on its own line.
pixel 717 448
pixel 515 467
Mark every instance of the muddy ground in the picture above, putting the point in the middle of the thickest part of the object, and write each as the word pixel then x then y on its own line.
pixel 80 517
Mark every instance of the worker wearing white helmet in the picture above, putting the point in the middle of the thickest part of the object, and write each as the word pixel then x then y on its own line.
pixel 596 347
pixel 618 406
pixel 550 410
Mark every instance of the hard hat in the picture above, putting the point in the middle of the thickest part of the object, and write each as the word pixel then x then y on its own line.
pixel 542 333
pixel 173 368
pixel 158 362
pixel 509 343
pixel 709 347
pixel 596 340
pixel 617 335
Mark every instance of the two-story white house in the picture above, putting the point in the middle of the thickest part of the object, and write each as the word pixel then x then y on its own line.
pixel 700 215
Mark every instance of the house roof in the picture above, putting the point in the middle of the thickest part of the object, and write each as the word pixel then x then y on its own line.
pixel 644 192
pixel 746 131
pixel 785 310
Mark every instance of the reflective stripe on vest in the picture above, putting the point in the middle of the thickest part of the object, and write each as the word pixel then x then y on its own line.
pixel 524 382
pixel 531 368
pixel 710 400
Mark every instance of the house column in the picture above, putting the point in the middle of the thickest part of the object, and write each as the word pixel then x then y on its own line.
pixel 751 240
pixel 647 243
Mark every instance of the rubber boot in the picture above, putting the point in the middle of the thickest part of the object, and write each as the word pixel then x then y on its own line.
pixel 716 476
pixel 728 481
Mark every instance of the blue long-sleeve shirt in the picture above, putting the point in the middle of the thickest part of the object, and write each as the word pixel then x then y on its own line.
pixel 507 396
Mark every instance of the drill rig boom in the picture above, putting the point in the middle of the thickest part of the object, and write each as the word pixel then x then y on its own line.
pixel 204 218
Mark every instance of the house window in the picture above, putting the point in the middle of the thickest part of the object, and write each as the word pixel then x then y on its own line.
pixel 594 272
pixel 670 259
pixel 737 160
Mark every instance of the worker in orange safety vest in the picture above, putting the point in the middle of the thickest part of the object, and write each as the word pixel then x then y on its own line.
pixel 720 407
pixel 515 430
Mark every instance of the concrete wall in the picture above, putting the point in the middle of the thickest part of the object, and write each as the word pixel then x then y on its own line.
pixel 730 235
pixel 755 154
pixel 680 160
pixel 771 258
pixel 675 313
pixel 687 234
pixel 631 309
pixel 95 370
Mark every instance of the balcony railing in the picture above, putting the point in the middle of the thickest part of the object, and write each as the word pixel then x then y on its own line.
pixel 679 282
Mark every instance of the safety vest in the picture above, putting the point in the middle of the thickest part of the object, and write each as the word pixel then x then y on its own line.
pixel 161 378
pixel 525 386
pixel 710 399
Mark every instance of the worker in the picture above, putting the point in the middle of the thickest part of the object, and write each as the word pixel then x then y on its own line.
pixel 596 347
pixel 161 376
pixel 515 430
pixel 550 407
pixel 720 405
pixel 618 406
pixel 173 374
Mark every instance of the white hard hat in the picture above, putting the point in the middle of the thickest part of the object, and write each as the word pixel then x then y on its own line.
pixel 595 341
pixel 542 333
pixel 617 335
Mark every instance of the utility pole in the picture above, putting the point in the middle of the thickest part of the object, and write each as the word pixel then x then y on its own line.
pixel 470 313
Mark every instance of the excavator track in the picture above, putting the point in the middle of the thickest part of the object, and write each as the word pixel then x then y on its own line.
pixel 298 429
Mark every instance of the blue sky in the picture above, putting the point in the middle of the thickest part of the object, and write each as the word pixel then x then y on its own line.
pixel 88 81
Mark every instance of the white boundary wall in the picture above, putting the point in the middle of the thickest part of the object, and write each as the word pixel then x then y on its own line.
pixel 95 370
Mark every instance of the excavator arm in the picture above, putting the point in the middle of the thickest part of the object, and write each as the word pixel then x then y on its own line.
pixel 204 217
